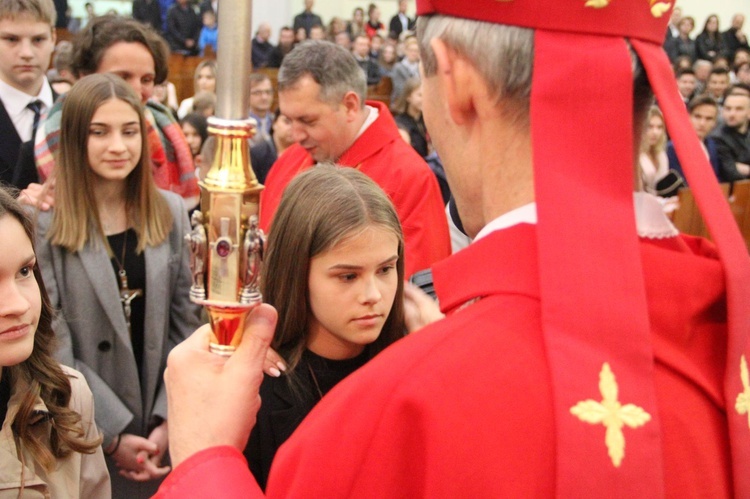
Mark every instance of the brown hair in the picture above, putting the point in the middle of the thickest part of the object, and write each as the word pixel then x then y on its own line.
pixel 44 376
pixel 103 32
pixel 401 104
pixel 76 218
pixel 41 10
pixel 208 63
pixel 320 208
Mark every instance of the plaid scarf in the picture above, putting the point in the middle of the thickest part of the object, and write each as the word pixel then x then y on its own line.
pixel 171 160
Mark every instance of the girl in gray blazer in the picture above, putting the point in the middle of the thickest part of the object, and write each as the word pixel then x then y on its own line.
pixel 114 260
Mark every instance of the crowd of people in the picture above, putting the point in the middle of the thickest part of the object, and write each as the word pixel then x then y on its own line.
pixel 712 73
pixel 360 196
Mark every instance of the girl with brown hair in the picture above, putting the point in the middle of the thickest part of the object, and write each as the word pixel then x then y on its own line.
pixel 49 443
pixel 112 241
pixel 334 269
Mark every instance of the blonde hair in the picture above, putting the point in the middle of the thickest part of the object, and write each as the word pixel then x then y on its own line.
pixel 661 145
pixel 76 219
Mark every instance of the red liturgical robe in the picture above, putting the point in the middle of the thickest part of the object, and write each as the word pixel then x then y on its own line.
pixel 381 154
pixel 464 408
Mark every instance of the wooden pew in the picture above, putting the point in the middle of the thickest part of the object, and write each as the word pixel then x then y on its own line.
pixel 181 73
pixel 687 217
pixel 739 202
pixel 382 91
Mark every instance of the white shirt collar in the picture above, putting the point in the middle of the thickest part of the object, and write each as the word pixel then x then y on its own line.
pixel 371 117
pixel 650 220
pixel 16 101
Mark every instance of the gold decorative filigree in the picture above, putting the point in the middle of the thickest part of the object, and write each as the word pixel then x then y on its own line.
pixel 610 413
pixel 743 399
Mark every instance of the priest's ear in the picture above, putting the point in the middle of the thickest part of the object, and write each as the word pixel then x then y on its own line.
pixel 352 104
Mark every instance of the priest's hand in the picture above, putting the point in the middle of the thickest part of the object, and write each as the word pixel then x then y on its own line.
pixel 213 400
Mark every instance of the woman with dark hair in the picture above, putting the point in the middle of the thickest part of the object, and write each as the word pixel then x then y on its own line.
pixel 113 256
pixel 334 270
pixel 709 43
pixel 49 443
pixel 129 49
pixel 264 154
pixel 407 111
pixel 195 128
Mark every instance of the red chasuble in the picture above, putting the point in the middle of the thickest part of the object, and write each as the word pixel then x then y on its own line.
pixel 464 407
pixel 381 154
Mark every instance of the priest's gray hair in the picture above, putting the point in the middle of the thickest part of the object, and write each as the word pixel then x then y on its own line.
pixel 504 56
pixel 332 67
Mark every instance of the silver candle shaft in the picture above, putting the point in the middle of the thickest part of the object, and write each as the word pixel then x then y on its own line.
pixel 234 58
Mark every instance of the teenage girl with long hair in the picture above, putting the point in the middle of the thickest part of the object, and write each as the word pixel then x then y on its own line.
pixel 334 270
pixel 49 443
pixel 113 256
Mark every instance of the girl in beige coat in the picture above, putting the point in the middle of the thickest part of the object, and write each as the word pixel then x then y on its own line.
pixel 49 443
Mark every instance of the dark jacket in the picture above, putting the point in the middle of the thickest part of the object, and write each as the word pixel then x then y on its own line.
pixel 709 48
pixel 261 53
pixel 713 158
pixel 731 43
pixel 17 165
pixel 417 132
pixel 306 20
pixel 148 12
pixel 262 157
pixel 395 27
pixel 371 69
pixel 183 24
pixel 284 407
pixel 733 147
pixel 277 56
pixel 677 47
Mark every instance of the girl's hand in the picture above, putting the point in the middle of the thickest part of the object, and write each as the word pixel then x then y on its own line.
pixel 274 364
pixel 129 458
pixel 419 308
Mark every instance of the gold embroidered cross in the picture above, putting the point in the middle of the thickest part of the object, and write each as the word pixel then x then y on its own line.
pixel 610 413
pixel 743 399
pixel 658 7
pixel 597 4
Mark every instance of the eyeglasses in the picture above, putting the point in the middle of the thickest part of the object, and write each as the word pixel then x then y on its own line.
pixel 262 92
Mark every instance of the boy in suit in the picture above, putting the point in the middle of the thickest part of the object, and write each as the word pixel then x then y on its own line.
pixel 27 39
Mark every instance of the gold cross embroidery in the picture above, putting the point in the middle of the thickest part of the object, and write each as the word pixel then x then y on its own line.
pixel 610 413
pixel 658 7
pixel 743 399
pixel 597 4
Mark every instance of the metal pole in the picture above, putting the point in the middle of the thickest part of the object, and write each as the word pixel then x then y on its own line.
pixel 234 58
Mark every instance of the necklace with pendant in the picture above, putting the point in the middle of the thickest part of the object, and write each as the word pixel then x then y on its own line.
pixel 127 295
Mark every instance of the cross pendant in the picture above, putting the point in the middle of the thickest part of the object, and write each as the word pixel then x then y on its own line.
pixel 127 295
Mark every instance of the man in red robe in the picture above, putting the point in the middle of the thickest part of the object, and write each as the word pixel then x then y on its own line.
pixel 589 350
pixel 322 91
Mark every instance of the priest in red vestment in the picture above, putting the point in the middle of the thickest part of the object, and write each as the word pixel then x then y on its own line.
pixel 589 350
pixel 322 91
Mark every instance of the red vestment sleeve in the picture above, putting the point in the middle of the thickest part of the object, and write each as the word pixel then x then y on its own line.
pixel 215 472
